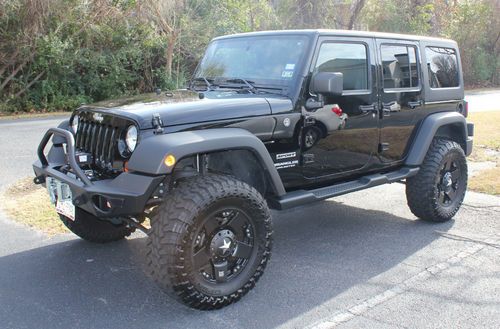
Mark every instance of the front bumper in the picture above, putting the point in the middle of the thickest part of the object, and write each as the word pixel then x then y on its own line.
pixel 127 194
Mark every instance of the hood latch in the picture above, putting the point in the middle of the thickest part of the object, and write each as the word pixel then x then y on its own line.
pixel 157 123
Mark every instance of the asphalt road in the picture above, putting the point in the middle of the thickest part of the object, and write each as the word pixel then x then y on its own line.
pixel 483 101
pixel 357 261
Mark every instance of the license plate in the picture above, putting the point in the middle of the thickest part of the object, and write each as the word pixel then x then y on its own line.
pixel 61 195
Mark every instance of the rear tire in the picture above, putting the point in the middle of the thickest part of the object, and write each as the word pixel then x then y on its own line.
pixel 437 191
pixel 210 241
pixel 93 229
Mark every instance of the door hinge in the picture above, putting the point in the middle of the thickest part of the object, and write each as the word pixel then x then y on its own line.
pixel 382 147
pixel 308 158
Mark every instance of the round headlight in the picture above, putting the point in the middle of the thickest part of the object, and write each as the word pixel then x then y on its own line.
pixel 74 123
pixel 131 138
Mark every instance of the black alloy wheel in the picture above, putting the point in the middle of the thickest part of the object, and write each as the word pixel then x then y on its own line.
pixel 223 245
pixel 449 182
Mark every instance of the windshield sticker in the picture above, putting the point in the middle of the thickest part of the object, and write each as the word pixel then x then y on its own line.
pixel 287 74
pixel 290 67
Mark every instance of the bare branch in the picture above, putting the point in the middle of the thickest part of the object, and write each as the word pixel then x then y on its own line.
pixel 14 72
pixel 32 82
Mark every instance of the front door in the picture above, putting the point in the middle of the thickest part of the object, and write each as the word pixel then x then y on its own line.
pixel 341 138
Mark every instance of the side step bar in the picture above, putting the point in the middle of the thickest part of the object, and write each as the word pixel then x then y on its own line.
pixel 301 197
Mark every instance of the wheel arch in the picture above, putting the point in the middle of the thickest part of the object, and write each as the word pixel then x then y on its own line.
pixel 449 125
pixel 225 145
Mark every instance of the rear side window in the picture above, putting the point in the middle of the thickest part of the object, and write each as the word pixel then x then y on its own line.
pixel 442 66
pixel 347 58
pixel 399 64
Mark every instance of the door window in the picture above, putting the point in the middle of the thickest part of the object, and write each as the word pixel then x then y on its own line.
pixel 442 66
pixel 347 58
pixel 399 65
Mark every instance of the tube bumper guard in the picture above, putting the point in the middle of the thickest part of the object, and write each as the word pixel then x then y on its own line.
pixel 125 195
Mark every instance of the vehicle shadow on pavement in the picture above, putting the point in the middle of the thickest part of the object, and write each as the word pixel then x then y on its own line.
pixel 319 252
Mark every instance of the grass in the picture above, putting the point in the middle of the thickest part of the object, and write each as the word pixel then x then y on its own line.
pixel 486 148
pixel 29 204
pixel 486 135
pixel 488 181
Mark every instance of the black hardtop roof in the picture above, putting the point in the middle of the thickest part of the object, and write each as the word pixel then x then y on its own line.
pixel 343 33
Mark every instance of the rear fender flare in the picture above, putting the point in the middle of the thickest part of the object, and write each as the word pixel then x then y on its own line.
pixel 427 131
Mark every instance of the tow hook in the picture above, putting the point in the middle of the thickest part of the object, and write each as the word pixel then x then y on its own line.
pixel 134 223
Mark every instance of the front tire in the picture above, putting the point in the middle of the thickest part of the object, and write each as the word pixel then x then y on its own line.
pixel 311 136
pixel 438 190
pixel 93 229
pixel 210 241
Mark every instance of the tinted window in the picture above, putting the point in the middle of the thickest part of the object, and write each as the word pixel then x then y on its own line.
pixel 399 64
pixel 347 58
pixel 442 65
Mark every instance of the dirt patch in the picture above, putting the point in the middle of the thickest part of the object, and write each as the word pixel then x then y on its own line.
pixel 29 204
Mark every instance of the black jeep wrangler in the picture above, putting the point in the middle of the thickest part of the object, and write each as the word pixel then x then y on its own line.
pixel 269 120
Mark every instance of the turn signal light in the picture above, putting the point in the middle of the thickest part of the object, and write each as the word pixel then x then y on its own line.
pixel 169 160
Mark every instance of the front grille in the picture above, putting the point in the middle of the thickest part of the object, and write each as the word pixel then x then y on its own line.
pixel 99 140
pixel 100 134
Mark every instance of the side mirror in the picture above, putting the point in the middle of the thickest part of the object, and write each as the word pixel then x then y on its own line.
pixel 328 83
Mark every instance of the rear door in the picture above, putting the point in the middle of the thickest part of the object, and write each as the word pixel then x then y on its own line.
pixel 400 96
pixel 341 138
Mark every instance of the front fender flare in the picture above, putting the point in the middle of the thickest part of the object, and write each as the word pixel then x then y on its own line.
pixel 150 153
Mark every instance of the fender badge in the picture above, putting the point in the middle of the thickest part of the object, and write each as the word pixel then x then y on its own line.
pixel 286 122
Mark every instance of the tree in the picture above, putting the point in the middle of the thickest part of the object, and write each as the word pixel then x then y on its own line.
pixel 167 16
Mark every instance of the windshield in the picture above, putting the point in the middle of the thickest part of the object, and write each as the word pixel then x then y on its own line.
pixel 263 60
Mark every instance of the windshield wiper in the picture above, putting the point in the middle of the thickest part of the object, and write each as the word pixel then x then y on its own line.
pixel 249 84
pixel 202 79
pixel 218 82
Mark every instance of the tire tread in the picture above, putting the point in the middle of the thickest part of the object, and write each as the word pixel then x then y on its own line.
pixel 420 189
pixel 166 250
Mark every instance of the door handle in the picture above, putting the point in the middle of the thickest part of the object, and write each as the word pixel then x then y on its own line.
pixel 368 108
pixel 415 104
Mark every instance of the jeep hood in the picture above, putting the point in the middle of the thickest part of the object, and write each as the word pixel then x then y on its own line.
pixel 185 107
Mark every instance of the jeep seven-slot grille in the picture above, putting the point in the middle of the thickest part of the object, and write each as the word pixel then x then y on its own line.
pixel 99 140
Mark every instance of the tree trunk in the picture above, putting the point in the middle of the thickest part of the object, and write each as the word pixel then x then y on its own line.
pixel 172 38
pixel 355 10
